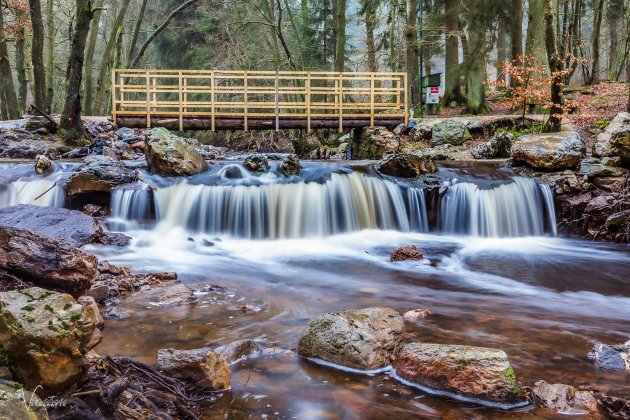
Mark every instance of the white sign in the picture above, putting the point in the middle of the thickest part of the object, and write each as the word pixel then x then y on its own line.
pixel 433 95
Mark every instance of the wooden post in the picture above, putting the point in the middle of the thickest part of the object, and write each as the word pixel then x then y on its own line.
pixel 113 96
pixel 308 102
pixel 181 100
pixel 341 102
pixel 245 100
pixel 148 81
pixel 277 104
pixel 372 100
pixel 212 100
pixel 406 104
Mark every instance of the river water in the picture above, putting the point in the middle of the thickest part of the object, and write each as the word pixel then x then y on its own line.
pixel 494 275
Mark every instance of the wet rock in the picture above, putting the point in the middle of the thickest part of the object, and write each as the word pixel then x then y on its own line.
pixel 498 147
pixel 364 339
pixel 615 138
pixel 115 313
pixel 99 174
pixel 447 152
pixel 91 308
pixel 98 291
pixel 453 132
pixel 416 314
pixel 114 239
pixel 291 165
pixel 611 357
pixel 177 295
pixel 19 404
pixel 256 163
pixel 564 399
pixel 45 261
pixel 423 130
pixel 599 203
pixel 73 227
pixel 170 155
pixel 615 407
pixel 128 135
pixel 593 167
pixel 46 335
pixel 406 253
pixel 483 151
pixel 473 372
pixel 238 350
pixel 406 166
pixel 94 210
pixel 43 165
pixel 552 151
pixel 204 367
pixel 374 143
pixel 36 124
pixel 616 220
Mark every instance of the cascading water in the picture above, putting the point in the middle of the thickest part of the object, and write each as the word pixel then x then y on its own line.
pixel 130 205
pixel 344 203
pixel 514 209
pixel 43 192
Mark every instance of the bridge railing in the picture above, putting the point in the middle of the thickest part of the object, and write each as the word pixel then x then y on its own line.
pixel 218 99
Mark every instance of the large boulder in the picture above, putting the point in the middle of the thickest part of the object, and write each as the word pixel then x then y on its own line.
pixel 403 165
pixel 45 261
pixel 99 174
pixel 551 151
pixel 170 155
pixel 73 227
pixel 595 168
pixel 453 132
pixel 203 367
pixel 364 339
pixel 618 128
pixel 564 399
pixel 484 374
pixel 19 404
pixel 611 357
pixel 620 141
pixel 46 336
pixel 374 143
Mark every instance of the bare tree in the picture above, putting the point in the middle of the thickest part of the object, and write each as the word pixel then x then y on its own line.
pixel 37 54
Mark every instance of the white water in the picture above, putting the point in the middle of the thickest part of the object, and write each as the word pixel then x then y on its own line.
pixel 130 204
pixel 510 210
pixel 43 192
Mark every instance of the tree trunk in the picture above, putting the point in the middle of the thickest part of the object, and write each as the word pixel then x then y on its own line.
pixel 340 37
pixel 20 70
pixel 597 28
pixel 475 63
pixel 516 36
pixel 556 66
pixel 89 59
pixel 501 51
pixel 103 80
pixel 452 88
pixel 393 57
pixel 370 17
pixel 71 125
pixel 413 56
pixel 50 63
pixel 7 89
pixel 37 54
pixel 535 48
pixel 136 33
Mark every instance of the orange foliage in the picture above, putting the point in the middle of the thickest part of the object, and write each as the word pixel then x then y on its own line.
pixel 20 19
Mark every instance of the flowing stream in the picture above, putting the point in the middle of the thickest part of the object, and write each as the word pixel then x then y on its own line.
pixel 286 250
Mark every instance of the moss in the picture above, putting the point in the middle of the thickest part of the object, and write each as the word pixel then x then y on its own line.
pixel 28 308
pixel 602 124
pixel 5 358
pixel 510 376
pixel 49 308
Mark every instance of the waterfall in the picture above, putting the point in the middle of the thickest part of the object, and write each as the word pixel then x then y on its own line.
pixel 130 204
pixel 43 192
pixel 344 203
pixel 509 210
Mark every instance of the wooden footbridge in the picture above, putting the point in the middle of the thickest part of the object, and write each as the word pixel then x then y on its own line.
pixel 257 100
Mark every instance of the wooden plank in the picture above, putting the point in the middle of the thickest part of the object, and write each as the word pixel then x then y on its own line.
pixel 245 98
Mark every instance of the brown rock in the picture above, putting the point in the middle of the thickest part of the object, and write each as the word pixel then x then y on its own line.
pixel 43 165
pixel 416 314
pixel 170 155
pixel 238 350
pixel 406 253
pixel 406 166
pixel 204 367
pixel 91 308
pixel 552 151
pixel 564 399
pixel 99 174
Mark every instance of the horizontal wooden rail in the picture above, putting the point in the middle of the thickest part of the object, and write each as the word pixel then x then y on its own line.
pixel 225 99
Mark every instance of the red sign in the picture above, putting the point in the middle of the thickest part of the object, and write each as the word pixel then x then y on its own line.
pixel 435 90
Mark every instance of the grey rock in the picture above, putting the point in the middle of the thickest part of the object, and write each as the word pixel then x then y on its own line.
pixel 374 143
pixel 617 129
pixel 170 155
pixel 452 132
pixel 19 404
pixel 593 167
pixel 552 151
pixel 564 399
pixel 204 367
pixel 99 174
pixel 610 357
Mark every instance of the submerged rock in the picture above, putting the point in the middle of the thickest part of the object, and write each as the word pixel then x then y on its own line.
pixel 238 350
pixel 19 404
pixel 551 151
pixel 564 399
pixel 416 314
pixel 364 339
pixel 170 155
pixel 46 336
pixel 611 357
pixel 406 253
pixel 454 132
pixel 256 163
pixel 45 261
pixel 43 165
pixel 406 166
pixel 115 313
pixel 291 165
pixel 99 174
pixel 204 367
pixel 484 374
pixel 615 407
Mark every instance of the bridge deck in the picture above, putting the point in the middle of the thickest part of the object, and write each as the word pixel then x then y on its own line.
pixel 257 100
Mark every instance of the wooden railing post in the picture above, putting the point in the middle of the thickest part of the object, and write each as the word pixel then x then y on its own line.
pixel 372 100
pixel 181 102
pixel 148 101
pixel 406 104
pixel 276 84
pixel 245 100
pixel 113 96
pixel 341 102
pixel 308 102
pixel 212 101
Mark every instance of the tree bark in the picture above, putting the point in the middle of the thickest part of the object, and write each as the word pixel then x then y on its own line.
pixel 89 59
pixel 71 126
pixel 340 36
pixel 136 33
pixel 535 48
pixel 556 66
pixel 393 58
pixel 475 63
pixel 369 14
pixel 50 63
pixel 37 54
pixel 597 28
pixel 7 88
pixel 516 36
pixel 413 56
pixel 20 70
pixel 103 80
pixel 452 86
pixel 501 50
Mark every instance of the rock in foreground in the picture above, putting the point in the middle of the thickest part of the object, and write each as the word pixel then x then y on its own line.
pixel 553 151
pixel 406 253
pixel 611 357
pixel 170 155
pixel 204 367
pixel 564 399
pixel 17 404
pixel 615 139
pixel 483 374
pixel 406 166
pixel 98 174
pixel 365 339
pixel 46 336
